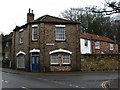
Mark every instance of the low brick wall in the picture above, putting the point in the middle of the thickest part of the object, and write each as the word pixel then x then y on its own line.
pixel 102 62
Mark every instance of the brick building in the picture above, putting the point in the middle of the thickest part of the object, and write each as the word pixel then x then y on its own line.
pixel 46 44
pixel 97 44
pixel 7 49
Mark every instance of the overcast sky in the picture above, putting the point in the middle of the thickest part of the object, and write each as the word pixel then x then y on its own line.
pixel 14 12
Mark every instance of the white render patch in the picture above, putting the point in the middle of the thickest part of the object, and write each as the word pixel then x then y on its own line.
pixel 60 50
pixel 20 52
pixel 34 50
pixel 59 25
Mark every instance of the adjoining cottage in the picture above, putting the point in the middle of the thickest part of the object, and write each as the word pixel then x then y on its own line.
pixel 6 50
pixel 46 44
pixel 94 44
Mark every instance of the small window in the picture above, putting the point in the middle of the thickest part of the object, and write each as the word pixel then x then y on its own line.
pixel 97 45
pixel 60 33
pixel 54 59
pixel 21 61
pixel 6 44
pixel 86 43
pixel 34 33
pixel 6 55
pixel 21 36
pixel 66 59
pixel 111 46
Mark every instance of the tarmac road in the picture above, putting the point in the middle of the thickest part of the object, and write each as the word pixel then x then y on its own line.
pixel 56 80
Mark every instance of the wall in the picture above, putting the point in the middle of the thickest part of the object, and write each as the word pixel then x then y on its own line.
pixel 103 62
pixel 85 49
pixel 104 47
pixel 71 44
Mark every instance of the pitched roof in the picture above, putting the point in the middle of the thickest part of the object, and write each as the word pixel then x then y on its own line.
pixel 52 19
pixel 47 19
pixel 96 37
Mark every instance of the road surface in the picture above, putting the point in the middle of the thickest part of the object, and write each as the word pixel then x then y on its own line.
pixel 83 80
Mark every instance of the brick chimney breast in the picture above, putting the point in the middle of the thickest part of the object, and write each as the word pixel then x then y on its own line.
pixel 30 15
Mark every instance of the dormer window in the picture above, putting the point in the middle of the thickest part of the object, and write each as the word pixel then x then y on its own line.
pixel 60 32
pixel 34 33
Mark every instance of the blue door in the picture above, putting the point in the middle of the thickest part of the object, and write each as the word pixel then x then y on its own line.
pixel 35 63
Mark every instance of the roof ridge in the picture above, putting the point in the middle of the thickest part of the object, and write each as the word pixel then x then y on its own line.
pixel 95 37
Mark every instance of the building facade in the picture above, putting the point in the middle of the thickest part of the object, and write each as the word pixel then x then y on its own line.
pixel 94 44
pixel 46 44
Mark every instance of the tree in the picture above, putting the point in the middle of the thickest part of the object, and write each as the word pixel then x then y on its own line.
pixel 91 22
pixel 111 7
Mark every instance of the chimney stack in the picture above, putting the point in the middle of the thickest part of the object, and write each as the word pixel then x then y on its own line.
pixel 30 15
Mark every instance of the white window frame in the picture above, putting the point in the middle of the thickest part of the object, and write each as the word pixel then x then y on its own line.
pixel 53 60
pixel 58 34
pixel 33 30
pixel 97 45
pixel 63 60
pixel 111 46
pixel 22 63
pixel 21 37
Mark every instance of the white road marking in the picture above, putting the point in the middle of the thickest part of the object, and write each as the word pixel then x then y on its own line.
pixel 25 88
pixel 4 81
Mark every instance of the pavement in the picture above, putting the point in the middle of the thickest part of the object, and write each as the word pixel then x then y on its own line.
pixel 111 84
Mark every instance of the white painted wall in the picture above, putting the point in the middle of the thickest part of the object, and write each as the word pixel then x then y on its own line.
pixel 85 49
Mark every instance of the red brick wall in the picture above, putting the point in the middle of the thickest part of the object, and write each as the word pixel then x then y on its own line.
pixel 104 47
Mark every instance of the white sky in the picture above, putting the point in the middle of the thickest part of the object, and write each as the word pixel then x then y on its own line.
pixel 14 12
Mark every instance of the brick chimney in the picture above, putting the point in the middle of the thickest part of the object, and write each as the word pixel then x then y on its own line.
pixel 30 15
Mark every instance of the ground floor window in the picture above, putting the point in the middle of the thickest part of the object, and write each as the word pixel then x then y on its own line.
pixel 66 59
pixel 21 61
pixel 54 59
pixel 60 59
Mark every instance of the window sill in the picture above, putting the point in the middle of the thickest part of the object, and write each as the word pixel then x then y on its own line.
pixel 54 64
pixel 21 43
pixel 97 48
pixel 34 40
pixel 60 40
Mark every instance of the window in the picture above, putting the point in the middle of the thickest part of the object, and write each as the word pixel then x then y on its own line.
pixel 60 33
pixel 6 44
pixel 21 36
pixel 34 33
pixel 6 55
pixel 111 46
pixel 54 59
pixel 97 45
pixel 86 42
pixel 21 61
pixel 66 59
